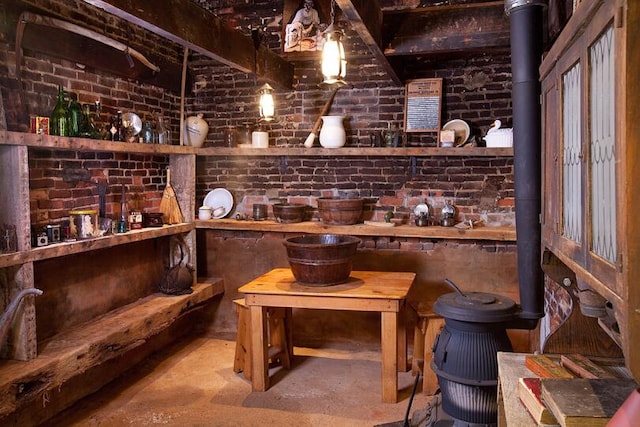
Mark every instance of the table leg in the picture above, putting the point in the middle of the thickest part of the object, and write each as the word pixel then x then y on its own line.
pixel 403 364
pixel 259 344
pixel 389 356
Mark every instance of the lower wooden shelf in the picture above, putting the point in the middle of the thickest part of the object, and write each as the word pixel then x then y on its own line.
pixel 77 350
pixel 79 246
pixel 506 234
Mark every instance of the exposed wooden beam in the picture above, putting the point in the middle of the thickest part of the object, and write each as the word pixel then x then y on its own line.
pixel 95 55
pixel 365 17
pixel 442 29
pixel 187 24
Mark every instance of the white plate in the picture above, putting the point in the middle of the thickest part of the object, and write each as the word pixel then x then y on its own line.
pixel 422 208
pixel 460 128
pixel 219 197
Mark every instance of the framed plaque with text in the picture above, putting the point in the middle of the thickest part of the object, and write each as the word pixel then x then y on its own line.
pixel 423 101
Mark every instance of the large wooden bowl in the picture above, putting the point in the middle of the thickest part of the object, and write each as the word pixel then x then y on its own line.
pixel 321 259
pixel 340 211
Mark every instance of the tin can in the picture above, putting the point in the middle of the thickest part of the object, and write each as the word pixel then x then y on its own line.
pixel 135 220
pixel 39 125
pixel 84 223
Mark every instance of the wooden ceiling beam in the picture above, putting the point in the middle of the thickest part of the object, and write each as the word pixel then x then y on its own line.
pixel 365 17
pixel 442 29
pixel 187 24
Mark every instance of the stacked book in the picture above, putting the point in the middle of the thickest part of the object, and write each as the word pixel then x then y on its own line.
pixel 575 392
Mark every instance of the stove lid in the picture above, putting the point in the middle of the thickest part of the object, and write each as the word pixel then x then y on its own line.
pixel 475 307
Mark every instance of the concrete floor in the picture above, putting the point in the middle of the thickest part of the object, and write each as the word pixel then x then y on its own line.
pixel 192 383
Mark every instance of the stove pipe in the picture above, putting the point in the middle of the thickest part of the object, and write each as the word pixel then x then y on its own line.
pixel 526 21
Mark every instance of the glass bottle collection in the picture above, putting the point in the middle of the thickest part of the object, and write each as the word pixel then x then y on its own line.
pixel 69 118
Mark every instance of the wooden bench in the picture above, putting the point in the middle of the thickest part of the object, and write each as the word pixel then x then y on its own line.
pixel 428 326
pixel 70 354
pixel 279 333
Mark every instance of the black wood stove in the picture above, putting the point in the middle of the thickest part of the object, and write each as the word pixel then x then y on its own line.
pixel 464 358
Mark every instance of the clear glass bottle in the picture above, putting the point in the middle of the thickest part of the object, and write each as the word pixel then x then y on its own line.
pixel 58 121
pixel 147 133
pixel 162 134
pixel 230 137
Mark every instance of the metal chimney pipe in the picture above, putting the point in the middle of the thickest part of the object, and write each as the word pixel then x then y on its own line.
pixel 526 21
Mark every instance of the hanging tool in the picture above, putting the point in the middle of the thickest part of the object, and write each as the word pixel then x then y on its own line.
pixel 316 126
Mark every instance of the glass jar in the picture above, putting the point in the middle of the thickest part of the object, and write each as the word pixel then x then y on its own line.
pixel 163 134
pixel 84 223
pixel 58 122
pixel 230 137
pixel 147 134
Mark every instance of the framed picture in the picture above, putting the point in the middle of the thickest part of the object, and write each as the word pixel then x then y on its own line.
pixel 423 102
pixel 303 24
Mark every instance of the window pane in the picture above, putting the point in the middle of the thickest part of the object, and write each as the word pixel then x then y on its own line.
pixel 571 163
pixel 602 143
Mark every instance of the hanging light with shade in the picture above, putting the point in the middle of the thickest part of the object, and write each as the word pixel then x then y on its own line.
pixel 267 103
pixel 334 64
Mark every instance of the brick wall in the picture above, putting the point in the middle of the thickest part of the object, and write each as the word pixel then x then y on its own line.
pixel 64 180
pixel 475 89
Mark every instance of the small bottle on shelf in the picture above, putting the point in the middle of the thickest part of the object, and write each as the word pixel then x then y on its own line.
pixel 148 135
pixel 74 112
pixel 163 134
pixel 58 120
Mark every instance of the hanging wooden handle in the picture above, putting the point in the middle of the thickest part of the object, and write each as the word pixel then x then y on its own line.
pixel 316 126
pixel 182 85
pixel 324 112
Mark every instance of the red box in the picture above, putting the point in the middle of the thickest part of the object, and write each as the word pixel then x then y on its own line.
pixel 39 124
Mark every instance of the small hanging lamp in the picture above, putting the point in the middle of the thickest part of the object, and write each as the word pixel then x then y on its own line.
pixel 267 103
pixel 334 64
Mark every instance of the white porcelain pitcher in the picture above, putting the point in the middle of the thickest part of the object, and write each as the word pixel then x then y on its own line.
pixel 332 134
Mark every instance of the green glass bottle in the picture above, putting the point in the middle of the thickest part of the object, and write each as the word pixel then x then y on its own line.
pixel 58 121
pixel 75 117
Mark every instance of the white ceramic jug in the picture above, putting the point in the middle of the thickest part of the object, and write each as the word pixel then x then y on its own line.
pixel 332 134
pixel 195 131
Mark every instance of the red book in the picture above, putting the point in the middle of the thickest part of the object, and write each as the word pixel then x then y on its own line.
pixel 529 391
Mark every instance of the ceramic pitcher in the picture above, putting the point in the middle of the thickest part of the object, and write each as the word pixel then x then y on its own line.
pixel 332 134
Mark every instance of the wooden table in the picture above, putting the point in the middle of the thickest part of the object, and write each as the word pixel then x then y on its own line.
pixel 385 292
pixel 511 411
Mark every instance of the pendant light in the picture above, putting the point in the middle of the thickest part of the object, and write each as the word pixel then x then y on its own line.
pixel 334 64
pixel 267 103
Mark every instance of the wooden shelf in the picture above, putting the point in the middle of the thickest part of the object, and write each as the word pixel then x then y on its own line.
pixel 87 345
pixel 70 248
pixel 507 234
pixel 357 151
pixel 86 144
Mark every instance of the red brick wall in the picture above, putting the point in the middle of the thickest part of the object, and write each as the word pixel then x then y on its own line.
pixel 475 89
pixel 53 190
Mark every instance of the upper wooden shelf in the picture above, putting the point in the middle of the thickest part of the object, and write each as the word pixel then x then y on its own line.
pixel 316 227
pixel 357 151
pixel 86 144
pixel 69 248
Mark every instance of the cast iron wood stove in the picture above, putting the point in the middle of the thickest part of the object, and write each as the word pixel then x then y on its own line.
pixel 465 354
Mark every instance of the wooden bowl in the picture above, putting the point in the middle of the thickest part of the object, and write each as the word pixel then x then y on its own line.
pixel 340 211
pixel 321 259
pixel 289 212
